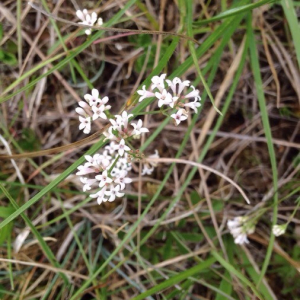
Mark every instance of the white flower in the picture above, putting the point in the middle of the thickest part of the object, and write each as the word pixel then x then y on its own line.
pixel 87 183
pixel 279 229
pixel 111 147
pixel 181 85
pixel 109 135
pixel 193 94
pixel 95 172
pixel 113 193
pixel 121 147
pixel 155 155
pixel 99 112
pixel 100 22
pixel 179 116
pixel 144 93
pixel 158 82
pixel 147 169
pixel 240 227
pixel 104 179
pixel 85 120
pixel 121 179
pixel 193 105
pixel 122 164
pixel 83 105
pixel 97 162
pixel 241 239
pixel 173 95
pixel 121 123
pixel 106 158
pixel 236 222
pixel 85 124
pixel 84 170
pixel 116 124
pixel 93 98
pixel 87 19
pixel 100 195
pixel 81 111
pixel 164 98
pixel 138 129
pixel 124 118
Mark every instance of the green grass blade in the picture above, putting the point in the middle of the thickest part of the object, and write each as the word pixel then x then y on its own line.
pixel 32 71
pixel 42 243
pixel 9 255
pixel 237 273
pixel 67 256
pixel 264 290
pixel 226 283
pixel 235 11
pixel 218 291
pixel 267 129
pixel 177 278
pixel 53 184
pixel 189 19
pixel 72 53
pixel 294 25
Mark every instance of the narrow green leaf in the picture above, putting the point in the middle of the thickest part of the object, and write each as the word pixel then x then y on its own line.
pixel 235 11
pixel 177 278
pixel 254 275
pixel 72 53
pixel 31 71
pixel 237 273
pixel 189 19
pixel 267 129
pixel 1 31
pixel 8 58
pixel 294 25
pixel 53 184
pixel 48 253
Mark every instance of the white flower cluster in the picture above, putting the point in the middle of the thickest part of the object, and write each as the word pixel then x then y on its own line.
pixel 119 131
pixel 106 171
pixel 148 168
pixel 109 171
pixel 240 227
pixel 171 93
pixel 96 107
pixel 279 229
pixel 88 19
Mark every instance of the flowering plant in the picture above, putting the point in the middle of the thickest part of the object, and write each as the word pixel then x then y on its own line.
pixel 108 171
pixel 88 19
pixel 240 227
pixel 171 93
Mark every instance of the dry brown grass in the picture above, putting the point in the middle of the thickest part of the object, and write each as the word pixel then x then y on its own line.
pixel 45 114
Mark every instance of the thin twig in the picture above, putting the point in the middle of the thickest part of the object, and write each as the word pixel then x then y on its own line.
pixel 113 29
pixel 198 165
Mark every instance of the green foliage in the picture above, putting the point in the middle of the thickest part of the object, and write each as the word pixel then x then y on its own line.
pixel 7 54
pixel 290 275
pixel 5 232
pixel 158 243
pixel 145 41
pixel 285 111
pixel 29 141
pixel 177 278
